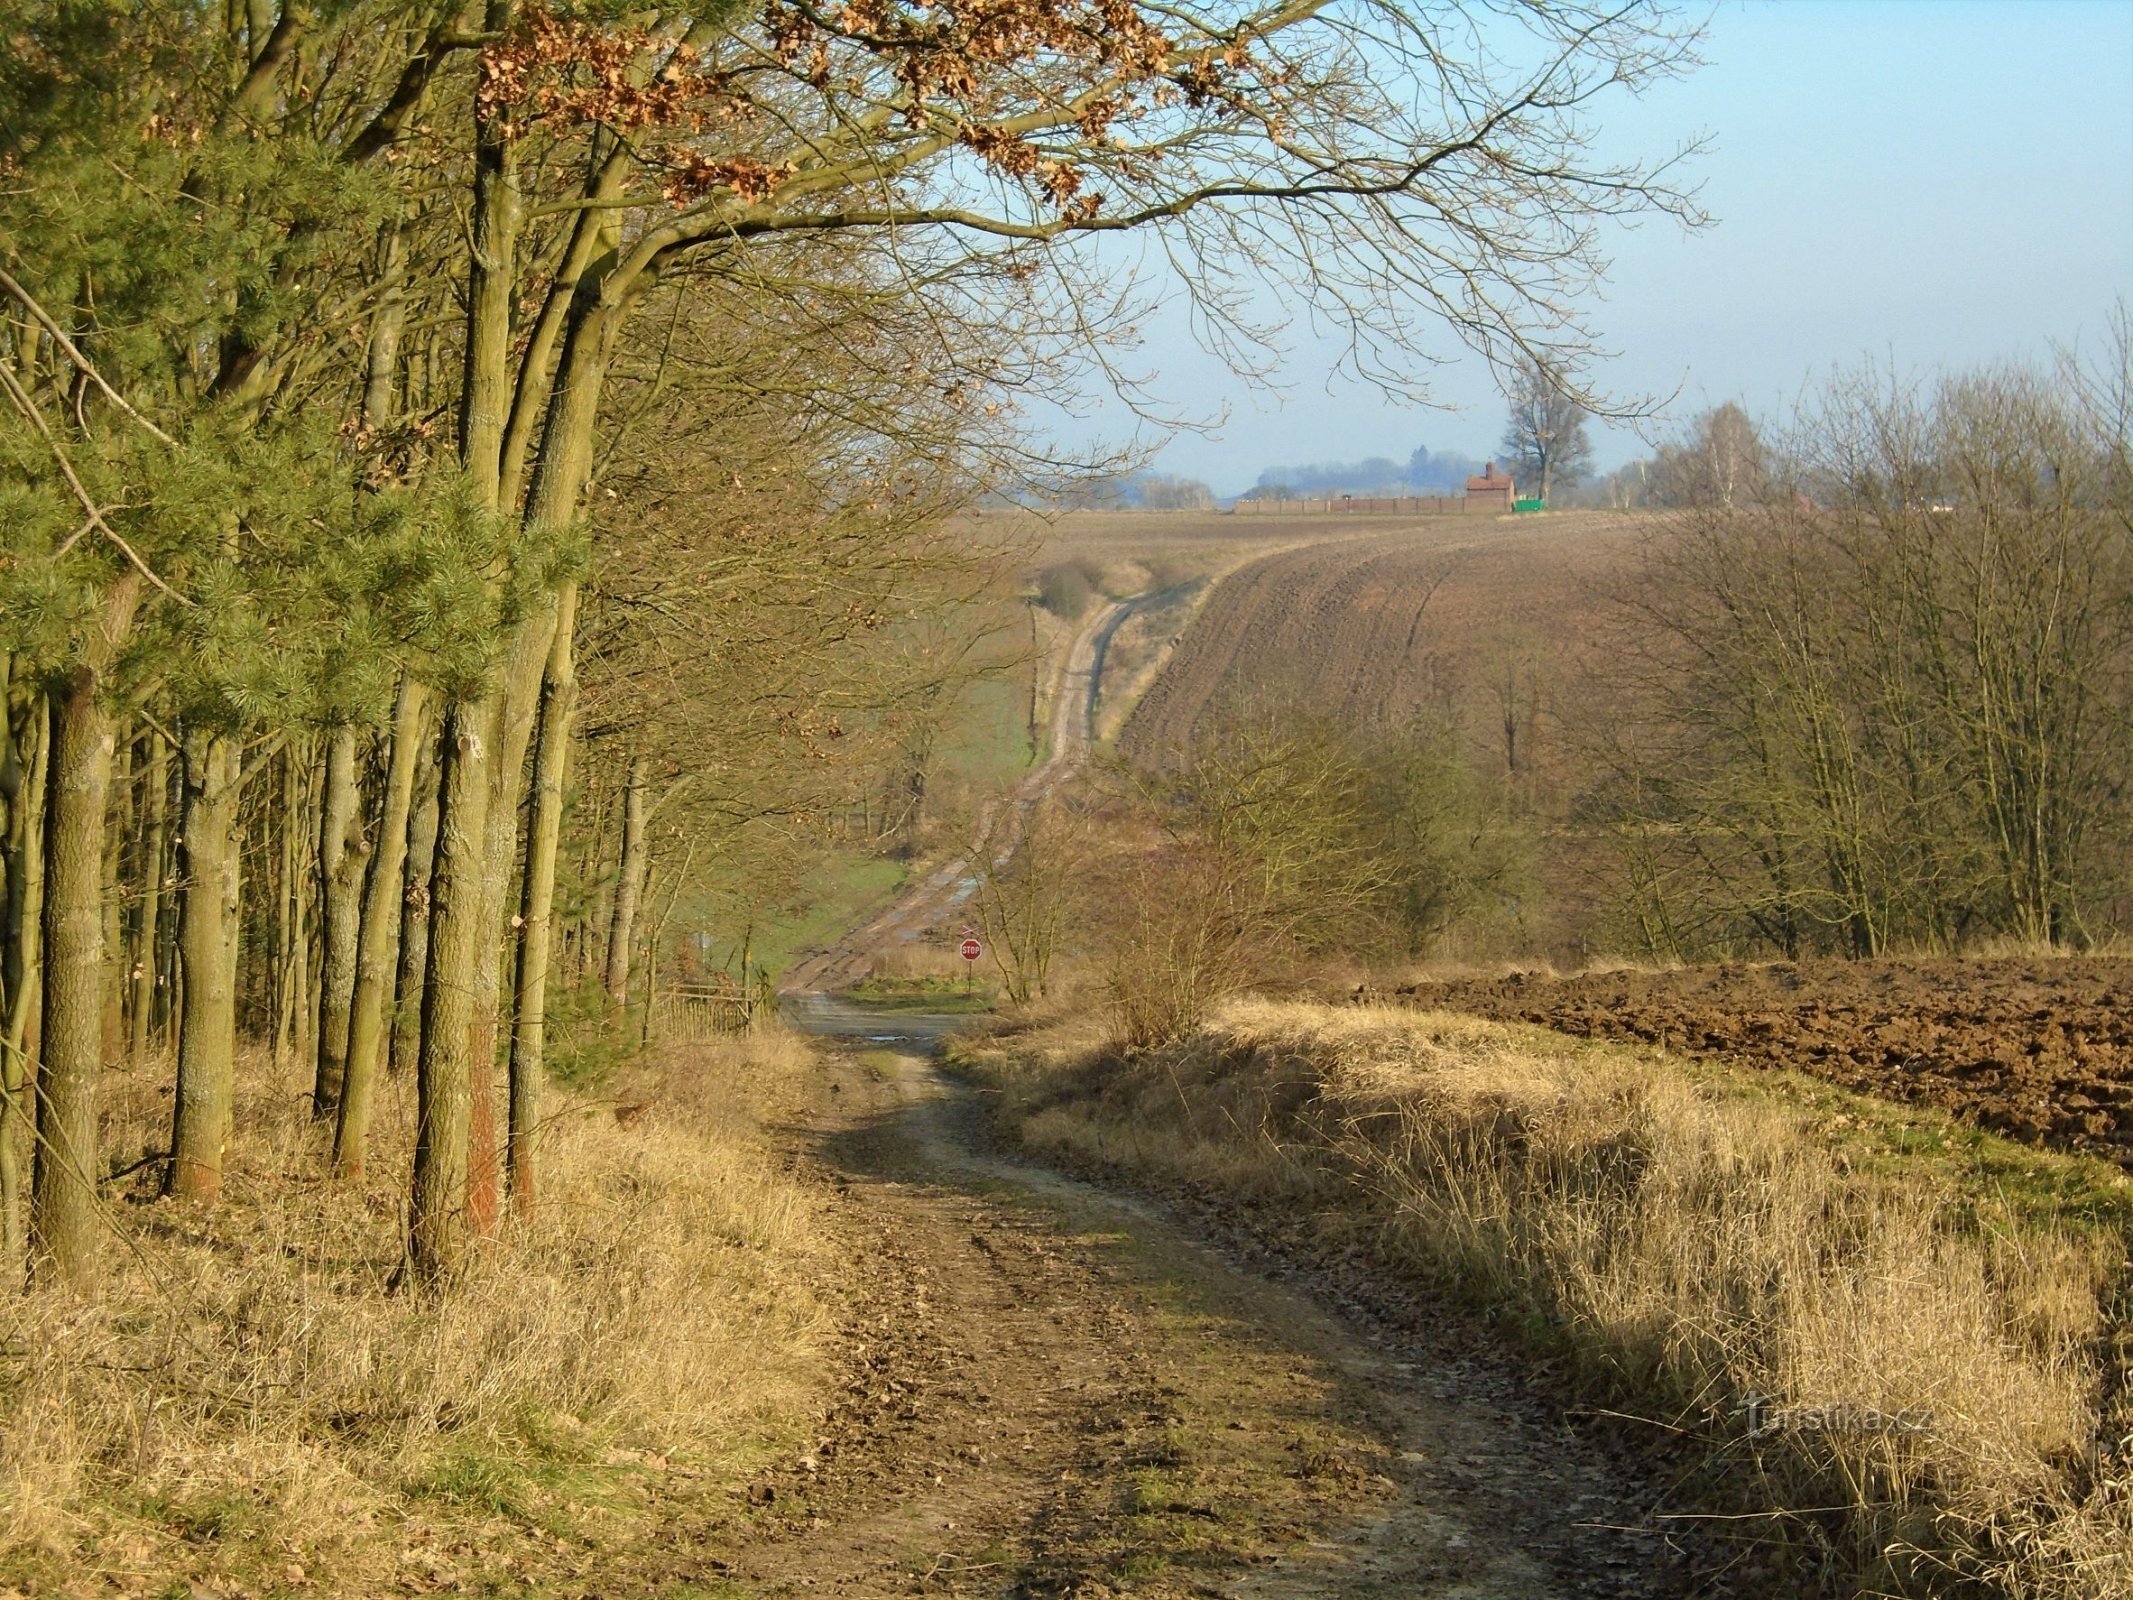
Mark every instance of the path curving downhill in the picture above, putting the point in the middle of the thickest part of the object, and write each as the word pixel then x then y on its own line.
pixel 1077 685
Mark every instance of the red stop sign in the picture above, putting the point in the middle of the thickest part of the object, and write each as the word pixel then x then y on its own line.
pixel 972 949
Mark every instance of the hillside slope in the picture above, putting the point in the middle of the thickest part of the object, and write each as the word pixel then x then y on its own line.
pixel 1426 615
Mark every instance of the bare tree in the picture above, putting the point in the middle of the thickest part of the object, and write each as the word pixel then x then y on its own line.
pixel 1891 711
pixel 1544 438
pixel 1720 461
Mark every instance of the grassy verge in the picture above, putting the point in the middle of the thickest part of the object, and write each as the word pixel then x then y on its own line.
pixel 840 894
pixel 1930 1322
pixel 935 995
pixel 249 1406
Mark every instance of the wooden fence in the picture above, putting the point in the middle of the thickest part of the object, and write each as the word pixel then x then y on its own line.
pixel 691 1013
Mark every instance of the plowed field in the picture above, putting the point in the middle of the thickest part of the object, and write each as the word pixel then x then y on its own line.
pixel 2041 1051
pixel 1424 615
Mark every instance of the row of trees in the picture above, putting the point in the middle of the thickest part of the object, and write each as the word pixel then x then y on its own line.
pixel 1875 689
pixel 367 366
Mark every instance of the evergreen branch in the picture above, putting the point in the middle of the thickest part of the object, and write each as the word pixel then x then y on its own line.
pixel 141 566
pixel 66 467
pixel 28 408
pixel 73 354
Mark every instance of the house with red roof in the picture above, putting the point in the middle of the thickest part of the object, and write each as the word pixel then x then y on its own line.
pixel 1490 491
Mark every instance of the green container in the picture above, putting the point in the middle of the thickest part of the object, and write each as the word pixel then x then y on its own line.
pixel 1529 505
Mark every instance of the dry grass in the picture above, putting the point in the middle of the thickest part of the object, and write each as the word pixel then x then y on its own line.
pixel 247 1406
pixel 1690 1242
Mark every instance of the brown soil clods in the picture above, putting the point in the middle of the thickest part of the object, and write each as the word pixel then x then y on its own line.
pixel 2038 1050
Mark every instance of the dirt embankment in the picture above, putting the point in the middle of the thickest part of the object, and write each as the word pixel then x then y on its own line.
pixel 2041 1051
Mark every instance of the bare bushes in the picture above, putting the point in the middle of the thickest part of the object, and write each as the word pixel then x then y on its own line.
pixel 242 1392
pixel 1288 844
pixel 1875 694
pixel 1921 1354
pixel 1067 589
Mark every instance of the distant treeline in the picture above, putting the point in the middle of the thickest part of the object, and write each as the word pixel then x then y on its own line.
pixel 1422 473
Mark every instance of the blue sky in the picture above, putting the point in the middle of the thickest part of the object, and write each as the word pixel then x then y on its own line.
pixel 1929 184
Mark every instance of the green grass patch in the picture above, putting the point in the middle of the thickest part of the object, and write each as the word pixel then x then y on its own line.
pixel 840 893
pixel 987 741
pixel 537 1474
pixel 939 996
pixel 1982 1174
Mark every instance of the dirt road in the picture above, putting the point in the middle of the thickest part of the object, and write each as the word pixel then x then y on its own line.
pixel 1060 1391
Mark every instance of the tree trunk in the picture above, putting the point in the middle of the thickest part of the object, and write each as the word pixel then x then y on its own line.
pixel 462 983
pixel 63 1203
pixel 148 929
pixel 374 954
pixel 288 914
pixel 341 858
pixel 415 911
pixel 22 971
pixel 203 1118
pixel 517 698
pixel 117 826
pixel 382 365
pixel 559 478
pixel 629 886
pixel 437 1221
pixel 559 693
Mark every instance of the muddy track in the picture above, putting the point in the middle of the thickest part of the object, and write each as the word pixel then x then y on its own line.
pixel 1056 1390
pixel 2041 1051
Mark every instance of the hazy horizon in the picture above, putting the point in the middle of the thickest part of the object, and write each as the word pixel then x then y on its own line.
pixel 1922 188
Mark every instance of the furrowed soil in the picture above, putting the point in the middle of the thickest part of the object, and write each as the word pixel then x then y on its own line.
pixel 1416 614
pixel 2037 1050
pixel 1056 1390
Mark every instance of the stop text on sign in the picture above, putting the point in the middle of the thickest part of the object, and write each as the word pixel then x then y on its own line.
pixel 972 949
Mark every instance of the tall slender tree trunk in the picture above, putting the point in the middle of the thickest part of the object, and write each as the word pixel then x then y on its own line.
pixel 517 698
pixel 629 886
pixel 118 826
pixel 21 970
pixel 559 693
pixel 148 930
pixel 458 1055
pixel 307 783
pixel 204 1115
pixel 288 915
pixel 558 482
pixel 63 1202
pixel 415 911
pixel 599 913
pixel 381 921
pixel 437 1220
pixel 382 360
pixel 342 855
